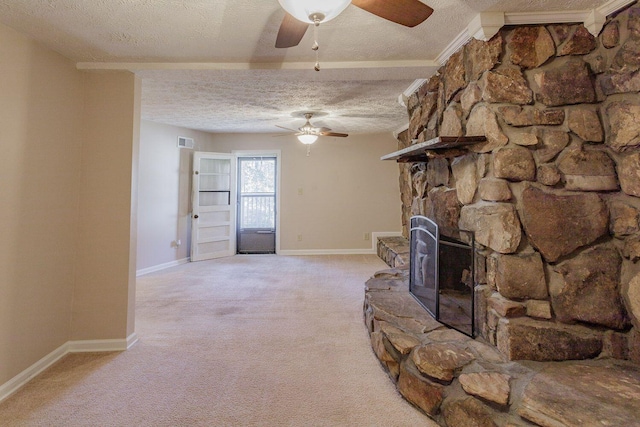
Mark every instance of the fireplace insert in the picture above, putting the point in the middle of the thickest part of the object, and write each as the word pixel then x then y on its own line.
pixel 442 274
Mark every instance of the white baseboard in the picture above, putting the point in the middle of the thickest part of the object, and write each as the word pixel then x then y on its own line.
pixel 376 234
pixel 132 340
pixel 159 267
pixel 11 386
pixel 86 346
pixel 363 251
pixel 307 252
pixel 15 383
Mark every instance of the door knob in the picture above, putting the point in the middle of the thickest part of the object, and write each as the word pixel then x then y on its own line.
pixel 195 216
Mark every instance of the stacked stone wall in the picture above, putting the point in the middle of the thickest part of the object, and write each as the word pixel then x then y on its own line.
pixel 553 195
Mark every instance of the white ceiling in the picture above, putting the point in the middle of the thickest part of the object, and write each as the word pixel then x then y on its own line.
pixel 212 65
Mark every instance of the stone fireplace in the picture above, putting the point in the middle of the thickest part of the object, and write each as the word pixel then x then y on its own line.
pixel 552 196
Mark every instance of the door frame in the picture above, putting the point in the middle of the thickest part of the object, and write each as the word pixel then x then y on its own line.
pixel 264 153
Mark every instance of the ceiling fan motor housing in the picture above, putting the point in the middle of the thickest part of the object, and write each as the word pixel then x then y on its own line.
pixel 304 10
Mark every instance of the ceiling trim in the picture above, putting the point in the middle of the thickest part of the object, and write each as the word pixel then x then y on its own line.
pixel 401 129
pixel 485 25
pixel 143 66
pixel 402 98
pixel 453 47
pixel 592 19
pixel 613 6
pixel 555 17
pixel 564 16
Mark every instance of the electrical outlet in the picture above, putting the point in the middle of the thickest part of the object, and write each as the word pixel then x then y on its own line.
pixel 367 236
pixel 299 237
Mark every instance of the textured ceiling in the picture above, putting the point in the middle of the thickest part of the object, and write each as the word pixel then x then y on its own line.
pixel 240 82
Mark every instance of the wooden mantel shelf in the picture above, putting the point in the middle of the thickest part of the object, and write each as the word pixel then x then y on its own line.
pixel 442 146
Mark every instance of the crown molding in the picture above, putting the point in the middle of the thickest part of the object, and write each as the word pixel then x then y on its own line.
pixel 413 87
pixel 593 19
pixel 402 98
pixel 400 130
pixel 453 47
pixel 594 22
pixel 485 25
pixel 613 6
pixel 555 17
pixel 145 66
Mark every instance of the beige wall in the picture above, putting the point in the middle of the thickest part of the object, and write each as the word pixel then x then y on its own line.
pixel 105 272
pixel 164 193
pixel 40 136
pixel 68 140
pixel 346 190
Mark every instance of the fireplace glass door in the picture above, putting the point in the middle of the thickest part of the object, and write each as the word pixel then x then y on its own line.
pixel 456 282
pixel 424 263
pixel 442 277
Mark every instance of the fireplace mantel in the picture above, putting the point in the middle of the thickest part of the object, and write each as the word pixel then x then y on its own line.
pixel 441 146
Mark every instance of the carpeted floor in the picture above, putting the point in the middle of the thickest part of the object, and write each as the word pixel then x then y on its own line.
pixel 240 341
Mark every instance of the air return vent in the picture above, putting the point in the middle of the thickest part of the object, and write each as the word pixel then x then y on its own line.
pixel 184 142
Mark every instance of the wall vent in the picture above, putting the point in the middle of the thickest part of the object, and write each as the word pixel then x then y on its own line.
pixel 184 142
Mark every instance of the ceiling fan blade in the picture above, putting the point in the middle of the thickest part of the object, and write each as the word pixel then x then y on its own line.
pixel 404 12
pixel 340 135
pixel 282 127
pixel 291 32
pixel 323 129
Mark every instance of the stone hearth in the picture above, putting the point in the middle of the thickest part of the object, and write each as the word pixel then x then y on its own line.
pixel 460 381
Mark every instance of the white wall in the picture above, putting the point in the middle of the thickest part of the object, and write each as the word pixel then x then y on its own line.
pixel 164 193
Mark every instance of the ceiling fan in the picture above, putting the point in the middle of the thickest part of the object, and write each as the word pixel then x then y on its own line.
pixel 308 134
pixel 301 13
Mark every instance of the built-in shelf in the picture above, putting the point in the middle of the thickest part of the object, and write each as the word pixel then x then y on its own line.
pixel 442 146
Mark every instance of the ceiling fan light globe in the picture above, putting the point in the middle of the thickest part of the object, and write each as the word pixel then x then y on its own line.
pixel 307 139
pixel 303 10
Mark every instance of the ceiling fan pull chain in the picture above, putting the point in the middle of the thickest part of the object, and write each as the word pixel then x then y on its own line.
pixel 316 46
pixel 308 150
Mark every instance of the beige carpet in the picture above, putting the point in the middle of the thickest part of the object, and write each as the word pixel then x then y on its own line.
pixel 241 341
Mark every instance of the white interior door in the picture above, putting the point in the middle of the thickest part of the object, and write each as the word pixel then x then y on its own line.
pixel 213 233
